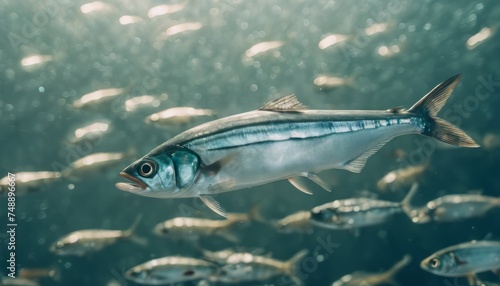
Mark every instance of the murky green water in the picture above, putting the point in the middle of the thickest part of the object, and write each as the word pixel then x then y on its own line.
pixel 424 43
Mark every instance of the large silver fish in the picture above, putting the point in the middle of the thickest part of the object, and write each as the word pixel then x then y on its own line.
pixel 281 140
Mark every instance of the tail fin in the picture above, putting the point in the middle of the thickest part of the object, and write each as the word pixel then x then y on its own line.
pixel 252 215
pixel 255 215
pixel 438 128
pixel 130 233
pixel 389 274
pixel 291 264
pixel 131 230
pixel 406 202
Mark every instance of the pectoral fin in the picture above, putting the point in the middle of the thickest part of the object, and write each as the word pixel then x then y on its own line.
pixel 213 205
pixel 215 167
pixel 300 182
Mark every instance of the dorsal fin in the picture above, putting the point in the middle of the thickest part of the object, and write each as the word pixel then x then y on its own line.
pixel 288 103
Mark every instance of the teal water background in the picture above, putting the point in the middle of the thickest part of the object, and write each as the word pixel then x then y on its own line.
pixel 204 69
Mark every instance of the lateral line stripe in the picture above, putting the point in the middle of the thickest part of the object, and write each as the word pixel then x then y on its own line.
pixel 290 130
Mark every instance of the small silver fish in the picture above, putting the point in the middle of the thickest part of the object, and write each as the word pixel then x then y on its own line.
pixel 93 164
pixel 464 259
pixel 194 228
pixel 263 47
pixel 165 9
pixel 97 98
pixel 95 6
pixel 377 28
pixel 332 40
pixel 129 19
pixel 18 281
pixel 91 133
pixel 479 38
pixel 452 208
pixel 181 28
pixel 373 279
pixel 355 213
pixel 84 242
pixel 296 222
pixel 28 182
pixel 328 82
pixel 177 116
pixel 36 60
pixel 275 142
pixel 401 178
pixel 39 273
pixel 170 270
pixel 246 267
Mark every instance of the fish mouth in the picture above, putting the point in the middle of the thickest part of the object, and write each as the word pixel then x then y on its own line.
pixel 424 264
pixel 136 185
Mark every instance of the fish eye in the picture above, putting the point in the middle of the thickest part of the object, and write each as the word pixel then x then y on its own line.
pixel 147 169
pixel 435 263
pixel 188 273
pixel 59 244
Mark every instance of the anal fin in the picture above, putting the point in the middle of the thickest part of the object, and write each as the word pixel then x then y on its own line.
pixel 213 205
pixel 315 178
pixel 357 164
pixel 300 183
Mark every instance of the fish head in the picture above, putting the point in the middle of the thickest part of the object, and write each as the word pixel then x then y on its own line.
pixel 441 263
pixel 162 174
pixel 140 275
pixel 436 211
pixel 296 222
pixel 161 229
pixel 281 225
pixel 328 216
pixel 69 245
